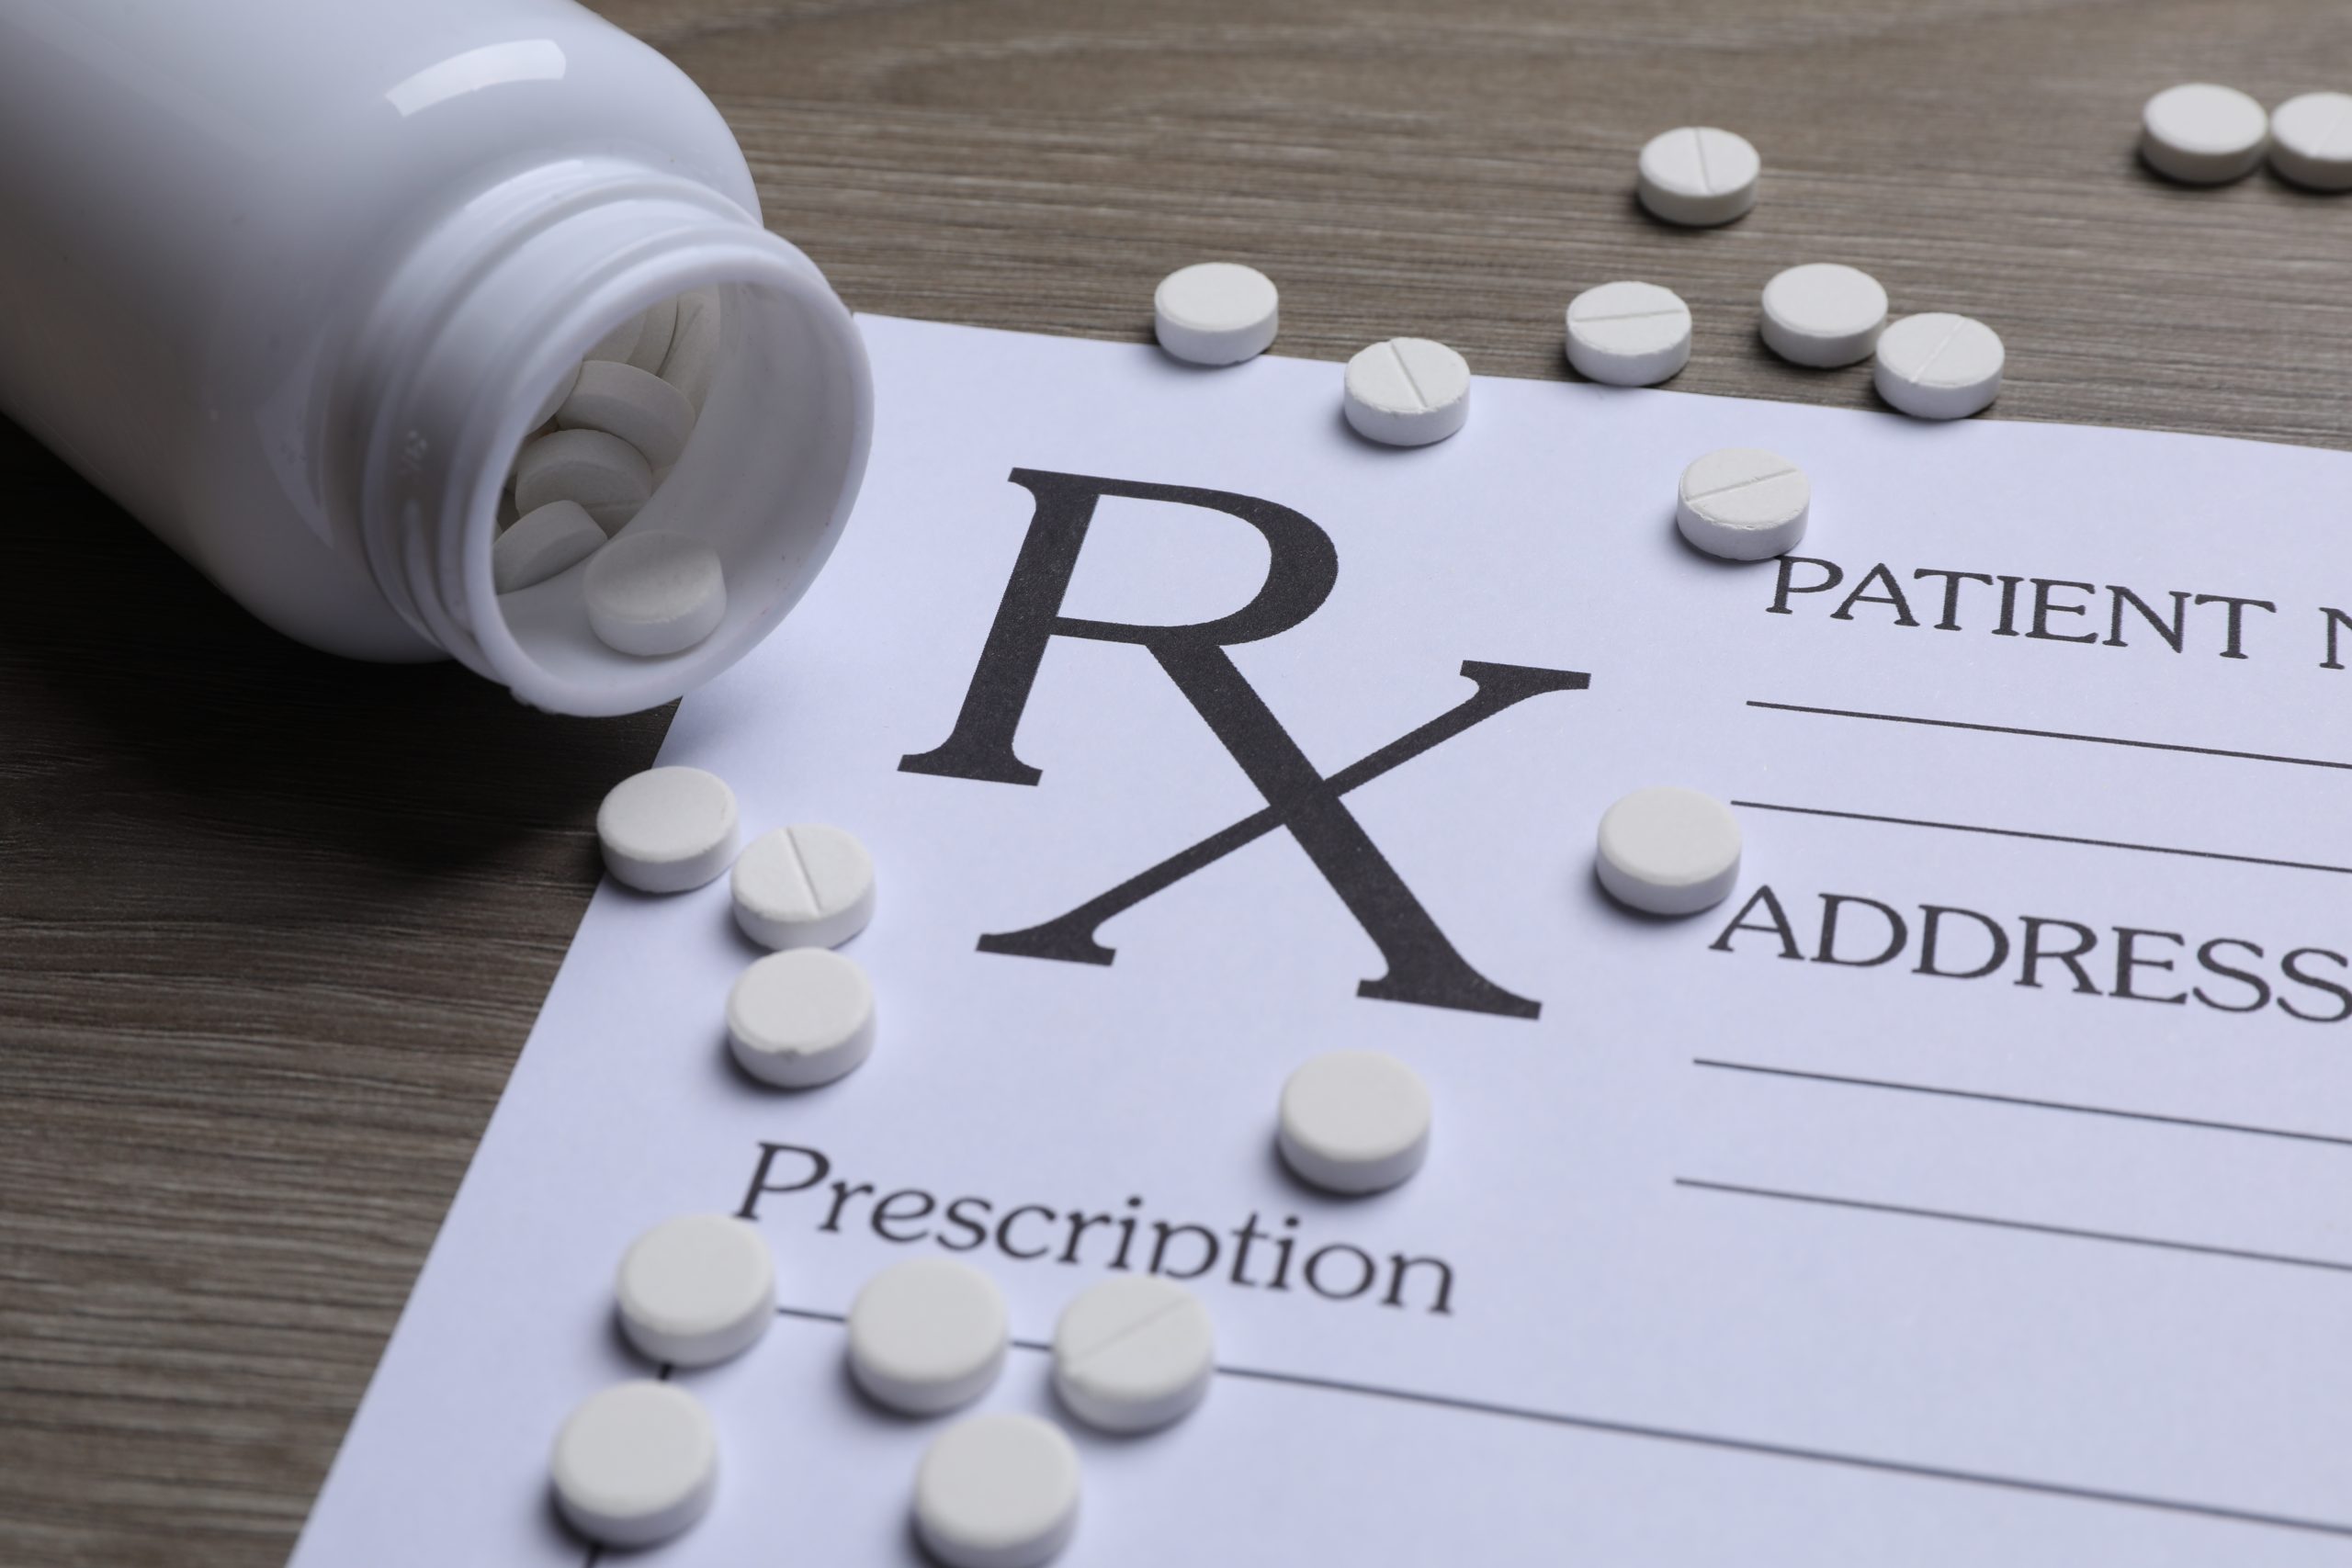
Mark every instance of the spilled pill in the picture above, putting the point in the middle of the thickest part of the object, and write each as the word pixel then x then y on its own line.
pixel 696 1290
pixel 2202 134
pixel 805 886
pixel 605 475
pixel 801 1018
pixel 553 538
pixel 1938 365
pixel 1668 851
pixel 927 1335
pixel 634 405
pixel 654 592
pixel 667 830
pixel 635 1464
pixel 1743 503
pixel 1407 391
pixel 1628 335
pixel 2311 140
pixel 1823 314
pixel 1134 1353
pixel 1215 313
pixel 997 1491
pixel 1698 176
pixel 1354 1122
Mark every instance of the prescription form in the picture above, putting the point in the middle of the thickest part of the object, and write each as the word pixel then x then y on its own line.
pixel 1973 1185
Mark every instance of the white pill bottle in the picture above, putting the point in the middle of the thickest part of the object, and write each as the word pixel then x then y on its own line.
pixel 291 280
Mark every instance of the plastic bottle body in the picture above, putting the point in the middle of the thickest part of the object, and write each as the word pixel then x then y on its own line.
pixel 289 279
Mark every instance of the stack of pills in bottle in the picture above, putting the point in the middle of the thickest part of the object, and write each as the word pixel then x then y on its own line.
pixel 609 431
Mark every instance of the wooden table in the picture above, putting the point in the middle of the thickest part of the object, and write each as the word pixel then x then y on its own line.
pixel 273 927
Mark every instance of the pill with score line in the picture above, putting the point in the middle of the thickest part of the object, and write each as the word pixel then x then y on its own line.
pixel 1134 1353
pixel 1938 365
pixel 1628 333
pixel 1407 391
pixel 1743 503
pixel 1698 176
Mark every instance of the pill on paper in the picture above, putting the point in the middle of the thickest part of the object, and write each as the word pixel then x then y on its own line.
pixel 805 886
pixel 2311 140
pixel 1699 176
pixel 1215 313
pixel 604 474
pixel 1354 1122
pixel 997 1491
pixel 693 360
pixel 655 328
pixel 801 1018
pixel 556 537
pixel 1668 851
pixel 1134 1353
pixel 927 1336
pixel 1628 335
pixel 1938 365
pixel 696 1290
pixel 2202 134
pixel 654 592
pixel 1407 391
pixel 635 1464
pixel 1743 503
pixel 634 405
pixel 667 830
pixel 1823 314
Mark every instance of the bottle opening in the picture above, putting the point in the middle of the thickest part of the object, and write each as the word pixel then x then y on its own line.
pixel 684 380
pixel 767 458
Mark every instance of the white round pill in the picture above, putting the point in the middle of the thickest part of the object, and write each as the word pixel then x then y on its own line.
pixel 997 1491
pixel 927 1336
pixel 635 1464
pixel 1668 851
pixel 696 1290
pixel 555 537
pixel 1743 503
pixel 602 473
pixel 2202 134
pixel 1215 313
pixel 801 1018
pixel 1407 391
pixel 1823 314
pixel 1134 1353
pixel 667 830
pixel 654 592
pixel 1628 335
pixel 1699 176
pixel 2311 140
pixel 636 405
pixel 1938 365
pixel 1354 1122
pixel 805 886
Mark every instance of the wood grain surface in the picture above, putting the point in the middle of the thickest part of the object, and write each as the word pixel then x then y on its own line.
pixel 273 927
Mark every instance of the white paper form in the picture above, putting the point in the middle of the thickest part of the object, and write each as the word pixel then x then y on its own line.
pixel 1974 1186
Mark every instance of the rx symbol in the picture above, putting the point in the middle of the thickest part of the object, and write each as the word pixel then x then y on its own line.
pixel 1303 565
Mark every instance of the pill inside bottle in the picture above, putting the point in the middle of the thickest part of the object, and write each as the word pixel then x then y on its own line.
pixel 708 418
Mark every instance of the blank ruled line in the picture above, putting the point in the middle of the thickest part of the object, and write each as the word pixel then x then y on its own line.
pixel 1722 1442
pixel 1988 1098
pixel 2042 838
pixel 2055 735
pixel 1995 1222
